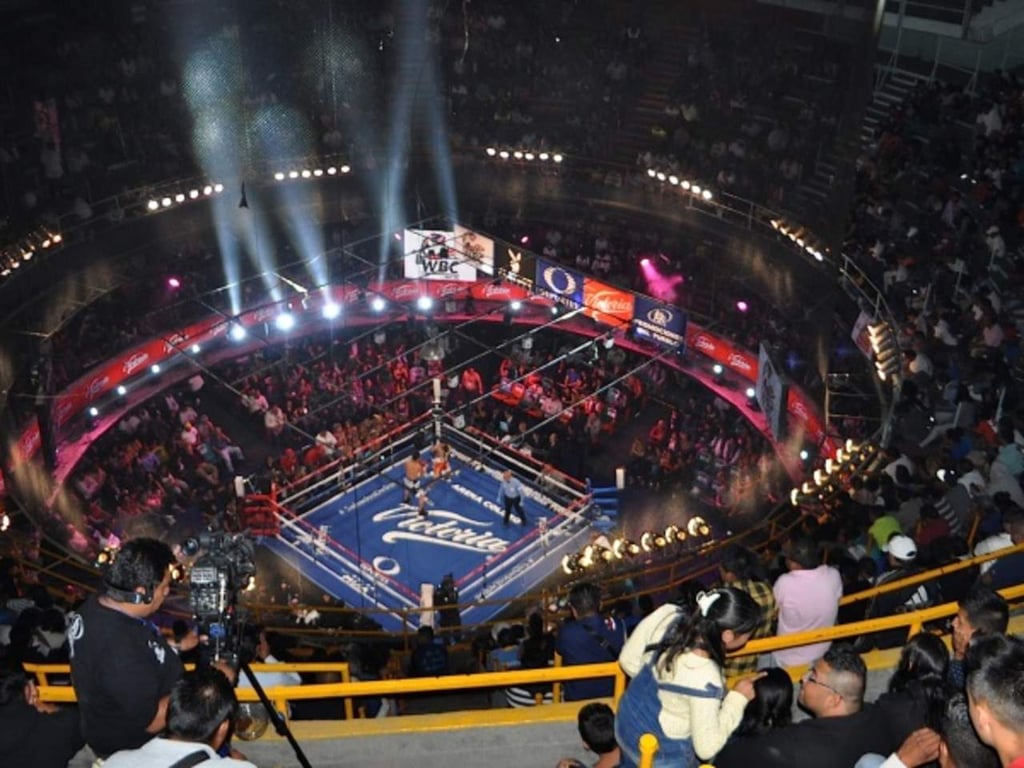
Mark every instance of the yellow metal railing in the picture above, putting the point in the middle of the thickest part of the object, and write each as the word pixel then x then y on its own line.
pixel 554 675
pixel 935 573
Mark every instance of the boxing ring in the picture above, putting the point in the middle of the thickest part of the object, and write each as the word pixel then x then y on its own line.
pixel 349 531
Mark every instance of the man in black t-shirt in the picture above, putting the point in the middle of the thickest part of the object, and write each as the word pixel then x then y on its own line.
pixel 122 668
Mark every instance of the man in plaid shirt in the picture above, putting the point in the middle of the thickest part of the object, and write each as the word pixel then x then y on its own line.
pixel 740 568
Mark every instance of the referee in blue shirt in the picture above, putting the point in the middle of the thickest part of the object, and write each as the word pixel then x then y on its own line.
pixel 510 493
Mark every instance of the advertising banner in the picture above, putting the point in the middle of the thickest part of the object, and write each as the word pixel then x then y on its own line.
pixel 561 285
pixel 661 323
pixel 430 255
pixel 607 304
pixel 516 264
pixel 475 249
pixel 771 392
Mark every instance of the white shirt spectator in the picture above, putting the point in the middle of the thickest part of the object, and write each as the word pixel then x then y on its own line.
pixel 991 120
pixel 327 439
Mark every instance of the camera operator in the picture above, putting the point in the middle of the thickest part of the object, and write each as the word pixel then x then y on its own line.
pixel 122 668
pixel 200 715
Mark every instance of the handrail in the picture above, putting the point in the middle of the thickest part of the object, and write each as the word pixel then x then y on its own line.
pixel 912 621
pixel 920 578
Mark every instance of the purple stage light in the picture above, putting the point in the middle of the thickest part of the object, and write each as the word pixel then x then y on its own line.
pixel 742 306
pixel 173 282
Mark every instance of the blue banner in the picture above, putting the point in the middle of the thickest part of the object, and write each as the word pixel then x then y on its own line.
pixel 555 282
pixel 658 322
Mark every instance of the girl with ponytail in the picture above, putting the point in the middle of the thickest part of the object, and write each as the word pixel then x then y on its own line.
pixel 675 658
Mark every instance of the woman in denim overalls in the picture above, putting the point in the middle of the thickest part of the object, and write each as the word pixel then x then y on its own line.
pixel 675 658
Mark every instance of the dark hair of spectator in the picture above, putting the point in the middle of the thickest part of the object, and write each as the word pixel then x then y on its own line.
pixel 995 666
pixel 987 611
pixel 846 664
pixel 199 703
pixel 922 670
pixel 772 705
pixel 597 727
pixel 585 599
pixel 733 609
pixel 962 742
pixel 804 552
pixel 139 563
pixel 742 563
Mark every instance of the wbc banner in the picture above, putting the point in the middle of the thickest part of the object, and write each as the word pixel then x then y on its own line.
pixel 607 304
pixel 661 323
pixel 561 285
pixel 431 254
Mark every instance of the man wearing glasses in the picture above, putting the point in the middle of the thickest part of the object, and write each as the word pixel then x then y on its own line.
pixel 843 727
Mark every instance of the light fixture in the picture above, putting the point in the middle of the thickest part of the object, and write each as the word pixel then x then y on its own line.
pixel 377 304
pixel 285 321
pixel 424 303
pixel 154 368
pixel 279 176
pixel 196 349
pixel 647 541
pixel 237 332
pixel 122 390
pixel 331 310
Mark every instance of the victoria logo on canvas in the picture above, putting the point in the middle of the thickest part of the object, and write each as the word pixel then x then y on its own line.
pixel 133 363
pixel 441 528
pixel 612 303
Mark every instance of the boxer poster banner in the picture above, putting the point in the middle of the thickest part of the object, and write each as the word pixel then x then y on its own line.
pixel 430 255
pixel 607 304
pixel 770 391
pixel 661 323
pixel 475 249
pixel 555 282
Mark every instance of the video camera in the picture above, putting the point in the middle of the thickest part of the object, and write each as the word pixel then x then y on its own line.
pixel 225 564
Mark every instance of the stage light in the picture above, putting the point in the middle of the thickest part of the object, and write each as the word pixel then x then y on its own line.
pixel 173 282
pixel 557 157
pixel 717 369
pixel 46 243
pixel 237 332
pixel 279 176
pixel 284 321
pixel 524 240
pixel 673 180
pixel 518 155
pixel 424 303
pixel 122 390
pixel 193 194
pixel 377 304
pixel 706 194
pixel 515 305
pixel 166 202
pixel 57 238
pixel 661 176
pixel 818 255
pixel 742 306
pixel 619 548
pixel 331 310
pixel 180 197
pixel 207 190
pixel 218 188
pixel 684 184
pixel 651 172
pixel 306 173
pixel 528 155
pixel 751 393
pixel 698 526
pixel 804 455
pixel 672 533
pixel 503 154
pixel 331 170
pixel 695 189
pixel 567 565
pixel 556 310
pixel 94 411
pixel 5 522
pixel 544 156
pixel 318 172
pixel 154 368
pixel 794 497
pixel 27 255
pixel 195 349
pixel 819 477
pixel 293 174
pixel 491 151
pixel 647 541
pixel 645 262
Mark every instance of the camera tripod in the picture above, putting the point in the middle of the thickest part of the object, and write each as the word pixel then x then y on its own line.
pixel 280 726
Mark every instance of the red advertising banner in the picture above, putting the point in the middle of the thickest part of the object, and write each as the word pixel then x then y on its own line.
pixel 607 304
pixel 611 304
